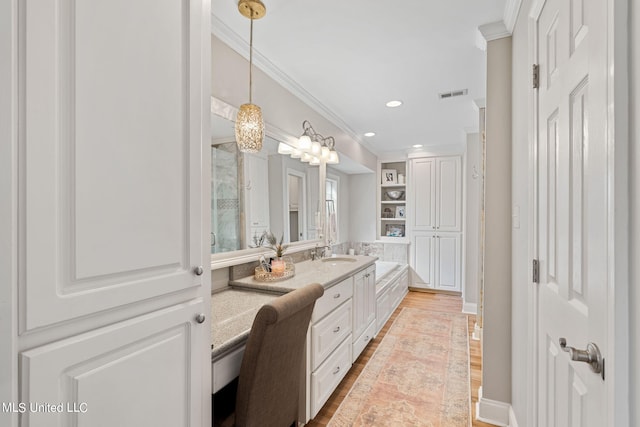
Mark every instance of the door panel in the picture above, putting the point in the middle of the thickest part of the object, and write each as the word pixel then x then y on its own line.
pixel 572 209
pixel 448 259
pixel 111 159
pixel 449 194
pixel 424 194
pixel 133 373
pixel 424 253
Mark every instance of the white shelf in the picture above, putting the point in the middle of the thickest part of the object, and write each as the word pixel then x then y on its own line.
pixel 392 185
pixel 393 202
pixel 393 219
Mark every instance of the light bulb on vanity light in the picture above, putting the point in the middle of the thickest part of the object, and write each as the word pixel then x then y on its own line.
pixel 296 153
pixel 333 158
pixel 306 157
pixel 324 153
pixel 315 148
pixel 284 148
pixel 314 161
pixel 304 143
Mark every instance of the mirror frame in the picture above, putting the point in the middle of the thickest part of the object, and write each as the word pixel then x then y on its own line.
pixel 242 256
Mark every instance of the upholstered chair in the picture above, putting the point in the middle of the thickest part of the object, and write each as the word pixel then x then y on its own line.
pixel 269 385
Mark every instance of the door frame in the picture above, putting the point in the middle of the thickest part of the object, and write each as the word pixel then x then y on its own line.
pixel 303 203
pixel 616 351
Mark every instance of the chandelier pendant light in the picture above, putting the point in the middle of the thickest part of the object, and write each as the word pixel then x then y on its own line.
pixel 249 122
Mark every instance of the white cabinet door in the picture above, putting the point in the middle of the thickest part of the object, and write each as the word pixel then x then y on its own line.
pixel 424 260
pixel 448 194
pixel 135 373
pixel 437 261
pixel 113 114
pixel 423 194
pixel 111 155
pixel 447 260
pixel 359 303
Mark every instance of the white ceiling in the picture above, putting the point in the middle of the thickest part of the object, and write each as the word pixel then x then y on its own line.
pixel 352 56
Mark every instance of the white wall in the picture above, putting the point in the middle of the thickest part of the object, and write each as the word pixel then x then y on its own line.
pixel 362 207
pixel 521 400
pixel 496 346
pixel 472 189
pixel 634 255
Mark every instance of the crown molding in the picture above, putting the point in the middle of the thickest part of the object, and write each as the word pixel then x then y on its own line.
pixel 223 32
pixel 511 11
pixel 494 31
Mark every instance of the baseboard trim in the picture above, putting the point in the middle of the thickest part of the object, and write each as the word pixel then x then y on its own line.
pixel 470 308
pixel 477 332
pixel 513 422
pixel 492 411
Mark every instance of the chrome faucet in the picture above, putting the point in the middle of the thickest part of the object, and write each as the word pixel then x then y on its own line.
pixel 319 252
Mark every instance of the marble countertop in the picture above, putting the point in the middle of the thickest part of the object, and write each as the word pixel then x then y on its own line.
pixel 233 309
pixel 323 271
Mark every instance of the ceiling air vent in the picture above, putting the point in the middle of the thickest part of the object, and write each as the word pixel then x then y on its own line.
pixel 453 93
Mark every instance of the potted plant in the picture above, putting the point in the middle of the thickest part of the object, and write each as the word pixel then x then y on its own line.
pixel 278 264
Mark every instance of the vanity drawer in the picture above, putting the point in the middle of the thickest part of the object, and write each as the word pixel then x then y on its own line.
pixel 327 377
pixel 361 342
pixel 332 298
pixel 328 333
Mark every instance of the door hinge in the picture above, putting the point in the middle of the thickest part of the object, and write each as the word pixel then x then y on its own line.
pixel 536 76
pixel 535 271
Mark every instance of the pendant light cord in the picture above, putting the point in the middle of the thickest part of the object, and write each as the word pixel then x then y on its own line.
pixel 251 57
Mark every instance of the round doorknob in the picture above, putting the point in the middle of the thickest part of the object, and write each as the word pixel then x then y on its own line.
pixel 198 270
pixel 200 318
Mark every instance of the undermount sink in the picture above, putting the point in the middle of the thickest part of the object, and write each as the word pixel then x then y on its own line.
pixel 338 259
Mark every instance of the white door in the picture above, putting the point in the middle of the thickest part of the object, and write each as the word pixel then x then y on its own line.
pixel 447 260
pixel 423 194
pixel 573 220
pixel 423 248
pixel 448 194
pixel 113 230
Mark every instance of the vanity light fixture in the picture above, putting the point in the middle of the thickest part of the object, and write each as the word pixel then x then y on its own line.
pixel 284 148
pixel 370 134
pixel 316 146
pixel 249 122
pixel 393 104
pixel 417 146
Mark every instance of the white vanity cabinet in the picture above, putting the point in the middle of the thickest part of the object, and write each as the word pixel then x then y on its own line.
pixel 364 309
pixel 330 336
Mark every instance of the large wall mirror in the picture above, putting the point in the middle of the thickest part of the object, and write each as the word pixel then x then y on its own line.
pixel 254 193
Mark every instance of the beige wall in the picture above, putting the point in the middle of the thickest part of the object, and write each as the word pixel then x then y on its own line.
pixel 472 190
pixel 634 255
pixel 280 108
pixel 496 346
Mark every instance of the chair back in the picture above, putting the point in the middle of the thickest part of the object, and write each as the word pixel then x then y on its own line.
pixel 271 371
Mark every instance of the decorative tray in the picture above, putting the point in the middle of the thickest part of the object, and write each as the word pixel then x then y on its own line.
pixel 262 275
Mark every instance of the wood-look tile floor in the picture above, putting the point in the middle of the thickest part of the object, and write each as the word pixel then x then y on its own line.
pixel 424 300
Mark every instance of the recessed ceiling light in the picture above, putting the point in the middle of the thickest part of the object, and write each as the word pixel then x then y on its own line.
pixel 369 134
pixel 417 146
pixel 393 104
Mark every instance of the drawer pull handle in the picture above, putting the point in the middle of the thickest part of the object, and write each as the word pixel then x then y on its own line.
pixel 337 329
pixel 366 338
pixel 336 370
pixel 337 295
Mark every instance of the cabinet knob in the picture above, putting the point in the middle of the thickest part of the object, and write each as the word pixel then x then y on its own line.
pixel 337 295
pixel 336 370
pixel 200 318
pixel 198 270
pixel 337 329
